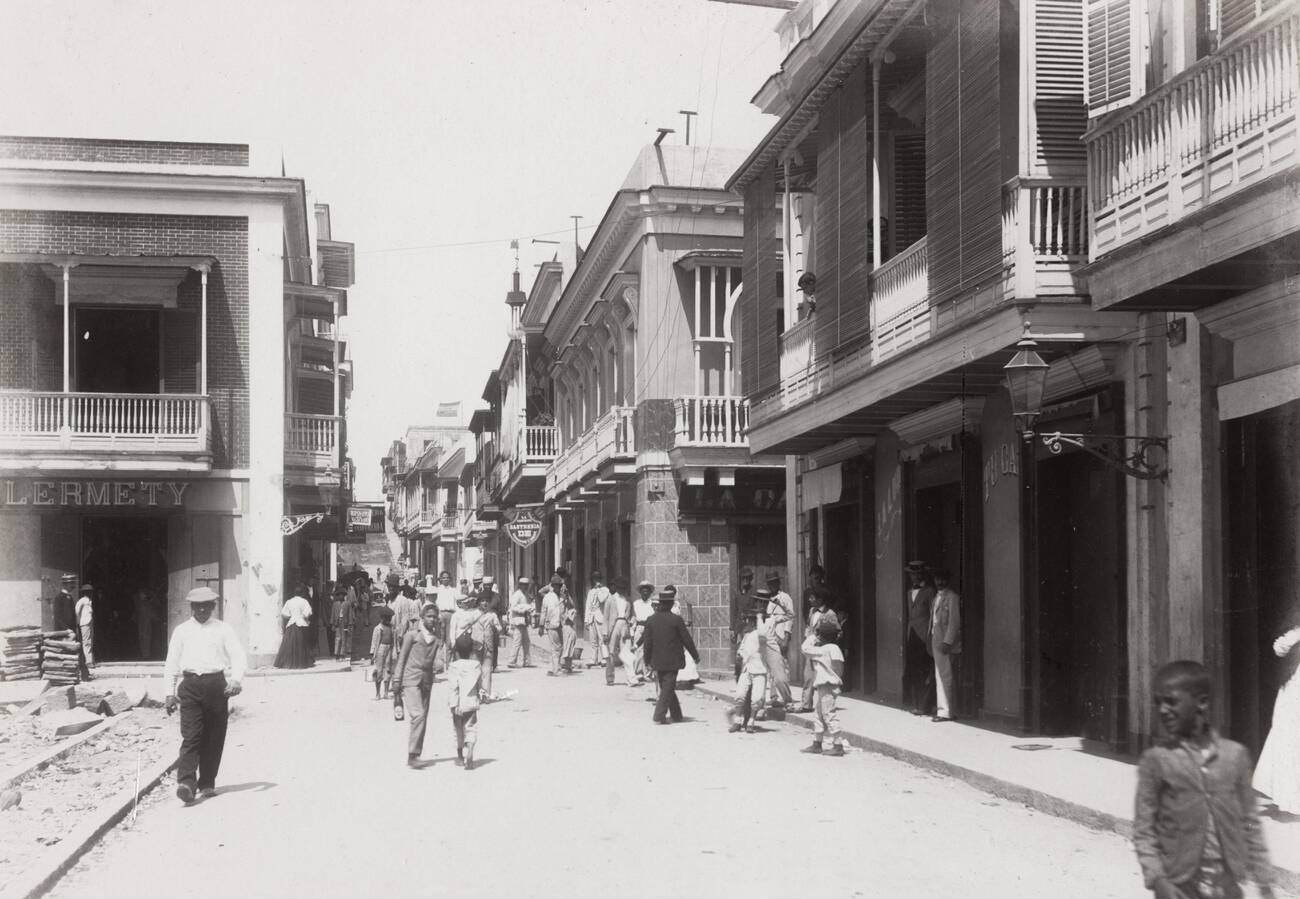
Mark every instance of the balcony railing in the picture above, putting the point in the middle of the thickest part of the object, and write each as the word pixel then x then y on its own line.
pixel 711 420
pixel 797 348
pixel 104 422
pixel 611 437
pixel 1044 235
pixel 900 308
pixel 537 444
pixel 311 440
pixel 1223 124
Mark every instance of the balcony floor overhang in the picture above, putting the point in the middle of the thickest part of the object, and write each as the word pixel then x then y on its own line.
pixel 1233 246
pixel 969 361
pixel 681 457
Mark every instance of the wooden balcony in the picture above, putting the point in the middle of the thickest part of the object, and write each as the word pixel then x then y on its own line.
pixel 1214 131
pixel 900 307
pixel 610 440
pixel 537 444
pixel 58 427
pixel 311 441
pixel 711 421
pixel 797 348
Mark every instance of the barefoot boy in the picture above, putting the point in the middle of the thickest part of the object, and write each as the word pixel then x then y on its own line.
pixel 1196 830
pixel 464 680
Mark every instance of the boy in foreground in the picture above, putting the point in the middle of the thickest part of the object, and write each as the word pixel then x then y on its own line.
pixel 464 681
pixel 826 661
pixel 1196 830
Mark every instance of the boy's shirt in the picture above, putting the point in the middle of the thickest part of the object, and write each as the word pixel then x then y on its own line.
pixel 780 614
pixel 85 610
pixel 520 607
pixel 1188 800
pixel 552 611
pixel 595 613
pixel 382 635
pixel 336 611
pixel 750 652
pixel 463 681
pixel 484 630
pixel 827 661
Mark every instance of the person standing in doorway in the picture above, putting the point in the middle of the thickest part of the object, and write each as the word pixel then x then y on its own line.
pixel 779 623
pixel 204 668
pixel 1277 775
pixel 666 643
pixel 918 660
pixel 85 609
pixel 551 623
pixel 142 605
pixel 521 607
pixel 594 619
pixel 945 642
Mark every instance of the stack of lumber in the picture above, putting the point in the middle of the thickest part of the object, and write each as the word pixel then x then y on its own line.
pixel 60 658
pixel 20 653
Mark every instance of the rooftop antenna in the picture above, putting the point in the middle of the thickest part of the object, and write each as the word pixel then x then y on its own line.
pixel 688 113
pixel 663 132
pixel 577 247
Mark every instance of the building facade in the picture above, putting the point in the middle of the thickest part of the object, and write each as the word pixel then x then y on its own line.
pixel 943 174
pixel 147 285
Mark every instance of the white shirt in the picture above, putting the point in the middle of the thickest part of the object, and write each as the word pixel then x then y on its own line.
pixel 447 596
pixel 297 610
pixel 780 613
pixel 204 649
pixel 520 607
pixel 596 597
pixel 85 610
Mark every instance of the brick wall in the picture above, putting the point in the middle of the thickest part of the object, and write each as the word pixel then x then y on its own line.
pixel 31 338
pixel 70 149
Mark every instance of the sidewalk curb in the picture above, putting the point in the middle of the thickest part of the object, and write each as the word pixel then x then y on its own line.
pixel 1003 789
pixel 58 751
pixel 46 871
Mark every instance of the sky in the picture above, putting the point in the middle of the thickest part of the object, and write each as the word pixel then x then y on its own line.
pixel 437 131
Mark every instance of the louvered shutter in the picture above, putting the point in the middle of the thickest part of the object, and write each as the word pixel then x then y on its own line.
pixel 909 189
pixel 756 326
pixel 1059 113
pixel 981 141
pixel 943 159
pixel 854 246
pixel 1236 15
pixel 830 134
pixel 1113 64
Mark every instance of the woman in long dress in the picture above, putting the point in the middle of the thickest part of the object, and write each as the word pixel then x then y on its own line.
pixel 295 648
pixel 1277 775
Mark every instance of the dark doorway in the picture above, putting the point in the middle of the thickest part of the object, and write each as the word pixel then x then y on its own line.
pixel 625 543
pixel 125 559
pixel 1082 620
pixel 117 350
pixel 938 529
pixel 1262 514
pixel 844 576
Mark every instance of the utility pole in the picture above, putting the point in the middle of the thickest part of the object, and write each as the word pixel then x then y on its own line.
pixel 577 247
pixel 688 113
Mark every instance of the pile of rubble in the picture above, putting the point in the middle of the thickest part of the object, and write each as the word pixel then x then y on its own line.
pixel 61 657
pixel 20 653
pixel 67 710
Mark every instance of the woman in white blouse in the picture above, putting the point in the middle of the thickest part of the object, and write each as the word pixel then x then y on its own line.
pixel 1277 775
pixel 295 648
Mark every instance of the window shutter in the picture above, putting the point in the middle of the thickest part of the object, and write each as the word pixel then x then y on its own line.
pixel 1059 113
pixel 1113 64
pixel 1236 15
pixel 909 189
pixel 756 326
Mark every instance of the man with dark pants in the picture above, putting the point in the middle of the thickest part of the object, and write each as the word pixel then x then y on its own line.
pixel 918 663
pixel 205 655
pixel 666 643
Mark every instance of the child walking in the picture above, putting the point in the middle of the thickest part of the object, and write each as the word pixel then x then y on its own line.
pixel 751 685
pixel 464 679
pixel 381 651
pixel 414 680
pixel 1196 830
pixel 827 663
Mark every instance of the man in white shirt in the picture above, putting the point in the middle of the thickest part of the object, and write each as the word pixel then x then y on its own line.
pixel 642 609
pixel 594 619
pixel 85 610
pixel 521 606
pixel 205 655
pixel 780 621
pixel 551 622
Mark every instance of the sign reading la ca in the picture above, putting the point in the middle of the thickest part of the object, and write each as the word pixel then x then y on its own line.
pixel 524 527
pixel 80 493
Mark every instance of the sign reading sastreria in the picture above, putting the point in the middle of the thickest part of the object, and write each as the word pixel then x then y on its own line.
pixel 524 526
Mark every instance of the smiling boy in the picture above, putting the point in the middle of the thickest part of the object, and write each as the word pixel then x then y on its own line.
pixel 1196 830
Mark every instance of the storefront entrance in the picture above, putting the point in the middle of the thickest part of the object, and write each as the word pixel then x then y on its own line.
pixel 1261 508
pixel 125 559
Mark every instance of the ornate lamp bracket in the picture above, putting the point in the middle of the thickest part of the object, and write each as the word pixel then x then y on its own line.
pixel 1113 449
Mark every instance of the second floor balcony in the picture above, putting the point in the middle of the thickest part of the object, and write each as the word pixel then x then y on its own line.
pixel 1211 149
pixel 523 474
pixel 608 447
pixel 173 431
pixel 711 421
pixel 312 448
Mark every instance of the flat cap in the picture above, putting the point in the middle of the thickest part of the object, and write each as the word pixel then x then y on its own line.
pixel 201 594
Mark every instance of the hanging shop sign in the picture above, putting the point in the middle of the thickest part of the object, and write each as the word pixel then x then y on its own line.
pixel 85 493
pixel 524 526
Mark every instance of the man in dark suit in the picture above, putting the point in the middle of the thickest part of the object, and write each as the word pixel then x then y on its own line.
pixel 918 663
pixel 666 643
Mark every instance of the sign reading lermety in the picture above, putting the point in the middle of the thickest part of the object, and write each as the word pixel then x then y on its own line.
pixel 524 526
pixel 39 493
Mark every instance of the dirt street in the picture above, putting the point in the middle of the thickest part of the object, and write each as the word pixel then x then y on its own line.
pixel 577 793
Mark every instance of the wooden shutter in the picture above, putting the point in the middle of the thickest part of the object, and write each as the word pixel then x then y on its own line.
pixel 756 325
pixel 826 265
pixel 1236 15
pixel 1059 113
pixel 909 189
pixel 943 155
pixel 1113 64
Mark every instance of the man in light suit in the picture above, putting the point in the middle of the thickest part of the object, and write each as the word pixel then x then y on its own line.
pixel 945 641
pixel 666 642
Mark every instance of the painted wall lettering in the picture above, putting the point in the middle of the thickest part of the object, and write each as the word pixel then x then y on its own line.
pixel 84 493
pixel 1003 461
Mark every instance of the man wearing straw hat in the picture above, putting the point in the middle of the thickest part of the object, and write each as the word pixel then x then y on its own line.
pixel 205 667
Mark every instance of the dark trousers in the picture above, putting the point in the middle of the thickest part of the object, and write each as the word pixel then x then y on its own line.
pixel 667 705
pixel 205 709
pixel 918 675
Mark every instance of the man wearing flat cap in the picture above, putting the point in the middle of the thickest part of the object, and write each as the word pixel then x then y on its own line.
pixel 205 667
pixel 665 644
